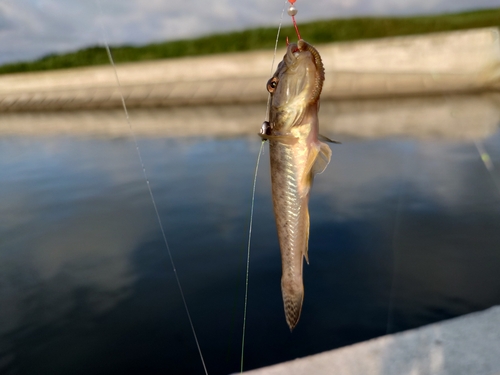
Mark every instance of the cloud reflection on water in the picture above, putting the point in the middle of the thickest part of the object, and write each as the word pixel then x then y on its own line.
pixel 64 231
pixel 83 266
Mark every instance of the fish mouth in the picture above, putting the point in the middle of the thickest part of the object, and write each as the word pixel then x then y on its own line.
pixel 297 51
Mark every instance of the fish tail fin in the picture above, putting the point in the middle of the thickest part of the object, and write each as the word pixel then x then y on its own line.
pixel 293 296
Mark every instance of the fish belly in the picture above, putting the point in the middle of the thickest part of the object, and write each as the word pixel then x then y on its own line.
pixel 288 163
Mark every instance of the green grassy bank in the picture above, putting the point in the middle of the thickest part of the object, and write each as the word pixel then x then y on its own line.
pixel 263 38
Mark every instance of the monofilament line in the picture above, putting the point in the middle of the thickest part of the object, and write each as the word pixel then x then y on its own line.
pixel 248 254
pixel 278 36
pixel 274 58
pixel 149 188
pixel 395 262
pixel 485 157
pixel 247 273
pixel 396 251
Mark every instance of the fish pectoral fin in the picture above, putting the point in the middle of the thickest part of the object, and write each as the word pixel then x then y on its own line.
pixel 322 160
pixel 286 139
pixel 317 161
pixel 326 139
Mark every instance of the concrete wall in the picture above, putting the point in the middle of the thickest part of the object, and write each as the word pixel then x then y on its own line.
pixel 469 345
pixel 462 61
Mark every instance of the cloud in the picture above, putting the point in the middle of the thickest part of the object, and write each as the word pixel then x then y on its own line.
pixel 47 257
pixel 32 28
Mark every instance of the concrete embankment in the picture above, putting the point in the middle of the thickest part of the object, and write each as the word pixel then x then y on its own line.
pixel 462 61
pixel 469 345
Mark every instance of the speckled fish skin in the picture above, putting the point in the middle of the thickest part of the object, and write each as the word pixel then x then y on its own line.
pixel 296 155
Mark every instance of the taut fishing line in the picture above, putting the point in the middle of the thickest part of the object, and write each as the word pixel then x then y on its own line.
pixel 248 255
pixel 274 60
pixel 395 256
pixel 490 168
pixel 110 56
pixel 485 157
pixel 247 273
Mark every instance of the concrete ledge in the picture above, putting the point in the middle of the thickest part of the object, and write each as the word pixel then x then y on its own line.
pixel 468 345
pixel 462 61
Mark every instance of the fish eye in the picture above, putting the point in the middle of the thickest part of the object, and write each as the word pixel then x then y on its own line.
pixel 272 84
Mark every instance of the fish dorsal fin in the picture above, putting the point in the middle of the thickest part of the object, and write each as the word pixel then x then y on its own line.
pixel 322 159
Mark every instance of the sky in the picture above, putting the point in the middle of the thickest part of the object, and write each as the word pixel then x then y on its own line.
pixel 30 29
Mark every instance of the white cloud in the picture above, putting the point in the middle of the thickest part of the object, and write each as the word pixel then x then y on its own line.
pixel 31 28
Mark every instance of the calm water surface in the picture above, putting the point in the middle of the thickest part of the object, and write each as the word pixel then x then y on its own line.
pixel 86 286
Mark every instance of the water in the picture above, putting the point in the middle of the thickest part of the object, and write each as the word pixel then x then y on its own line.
pixel 86 285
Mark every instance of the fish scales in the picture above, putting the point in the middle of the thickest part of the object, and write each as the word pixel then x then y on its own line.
pixel 296 154
pixel 292 223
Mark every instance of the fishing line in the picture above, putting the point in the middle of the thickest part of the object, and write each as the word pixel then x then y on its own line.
pixel 395 256
pixel 395 263
pixel 248 254
pixel 485 157
pixel 278 36
pixel 266 117
pixel 111 60
pixel 247 273
pixel 292 12
pixel 483 154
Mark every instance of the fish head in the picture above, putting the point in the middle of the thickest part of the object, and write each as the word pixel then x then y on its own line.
pixel 295 87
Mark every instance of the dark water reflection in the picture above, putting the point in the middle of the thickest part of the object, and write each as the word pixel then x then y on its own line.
pixel 86 285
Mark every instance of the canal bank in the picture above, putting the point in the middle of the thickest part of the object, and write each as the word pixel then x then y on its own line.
pixel 451 62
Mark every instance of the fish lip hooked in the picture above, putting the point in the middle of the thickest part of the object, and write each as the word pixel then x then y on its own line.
pixel 293 52
pixel 293 48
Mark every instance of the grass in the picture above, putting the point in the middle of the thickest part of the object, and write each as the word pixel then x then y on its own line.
pixel 335 30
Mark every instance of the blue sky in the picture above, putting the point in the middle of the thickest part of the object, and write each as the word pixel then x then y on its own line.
pixel 32 28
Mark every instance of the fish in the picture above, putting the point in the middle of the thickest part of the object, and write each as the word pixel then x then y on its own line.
pixel 296 155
